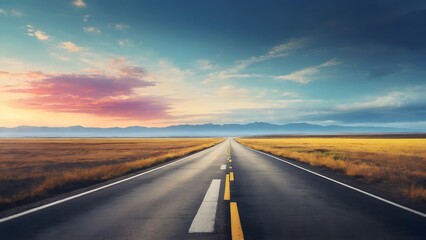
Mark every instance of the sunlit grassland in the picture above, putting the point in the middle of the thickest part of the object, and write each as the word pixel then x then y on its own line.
pixel 400 163
pixel 37 168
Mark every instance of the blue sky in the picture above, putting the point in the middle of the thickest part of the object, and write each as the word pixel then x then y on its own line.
pixel 157 63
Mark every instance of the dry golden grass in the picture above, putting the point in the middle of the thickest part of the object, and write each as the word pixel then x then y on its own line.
pixel 398 162
pixel 36 168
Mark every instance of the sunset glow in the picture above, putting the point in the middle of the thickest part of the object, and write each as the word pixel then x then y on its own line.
pixel 113 63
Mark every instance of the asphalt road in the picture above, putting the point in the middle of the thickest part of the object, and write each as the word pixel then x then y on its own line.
pixel 279 201
pixel 158 205
pixel 185 200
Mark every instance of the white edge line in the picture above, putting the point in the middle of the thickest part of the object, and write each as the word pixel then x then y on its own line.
pixel 343 184
pixel 5 219
pixel 204 220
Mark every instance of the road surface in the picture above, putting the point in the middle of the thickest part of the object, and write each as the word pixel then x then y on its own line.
pixel 185 200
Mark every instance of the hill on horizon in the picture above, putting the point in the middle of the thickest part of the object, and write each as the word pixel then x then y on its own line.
pixel 195 130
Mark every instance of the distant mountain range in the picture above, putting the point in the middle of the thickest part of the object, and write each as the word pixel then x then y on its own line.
pixel 250 129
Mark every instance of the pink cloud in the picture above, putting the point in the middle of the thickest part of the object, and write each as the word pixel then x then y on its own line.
pixel 88 86
pixel 144 108
pixel 97 94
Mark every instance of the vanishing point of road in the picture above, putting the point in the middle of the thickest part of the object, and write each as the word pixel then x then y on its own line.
pixel 224 192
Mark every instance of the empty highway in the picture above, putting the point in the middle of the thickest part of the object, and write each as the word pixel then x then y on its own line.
pixel 190 198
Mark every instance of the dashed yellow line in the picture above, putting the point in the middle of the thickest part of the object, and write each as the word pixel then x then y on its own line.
pixel 227 194
pixel 236 228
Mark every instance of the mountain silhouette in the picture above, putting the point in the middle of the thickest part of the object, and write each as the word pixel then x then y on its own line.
pixel 196 130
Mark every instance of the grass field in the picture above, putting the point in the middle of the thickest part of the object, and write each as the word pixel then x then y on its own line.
pixel 398 162
pixel 32 169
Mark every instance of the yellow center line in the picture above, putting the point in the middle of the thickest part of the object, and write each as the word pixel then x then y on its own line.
pixel 231 176
pixel 227 194
pixel 236 228
pixel 229 160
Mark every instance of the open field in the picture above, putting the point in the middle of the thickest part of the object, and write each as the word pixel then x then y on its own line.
pixel 32 169
pixel 396 162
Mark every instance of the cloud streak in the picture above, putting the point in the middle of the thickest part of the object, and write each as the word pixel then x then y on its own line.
pixel 308 74
pixel 204 64
pixel 92 30
pixel 120 26
pixel 125 43
pixel 22 75
pixel 278 51
pixel 71 47
pixel 229 91
pixel 393 99
pixel 11 12
pixel 86 18
pixel 40 35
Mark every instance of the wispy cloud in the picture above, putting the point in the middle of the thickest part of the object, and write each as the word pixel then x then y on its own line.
pixel 59 56
pixel 79 3
pixel 284 48
pixel 391 99
pixel 394 99
pixel 278 51
pixel 40 35
pixel 23 75
pixel 86 18
pixel 125 43
pixel 204 64
pixel 392 106
pixel 120 26
pixel 122 67
pixel 71 47
pixel 308 74
pixel 92 30
pixel 16 13
pixel 302 76
pixel 229 91
pixel 11 12
pixel 288 94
